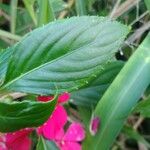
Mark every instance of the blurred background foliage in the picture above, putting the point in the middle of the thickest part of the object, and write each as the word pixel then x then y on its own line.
pixel 18 17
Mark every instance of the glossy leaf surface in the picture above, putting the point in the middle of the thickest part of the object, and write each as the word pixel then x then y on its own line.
pixel 18 115
pixel 62 55
pixel 90 95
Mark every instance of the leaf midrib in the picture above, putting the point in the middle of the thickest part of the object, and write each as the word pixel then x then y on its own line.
pixel 7 84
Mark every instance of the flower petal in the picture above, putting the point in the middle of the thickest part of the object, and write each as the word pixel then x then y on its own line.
pixel 94 126
pixel 63 97
pixel 3 146
pixel 19 140
pixel 44 98
pixel 11 137
pixel 75 132
pixel 54 124
pixel 69 146
pixel 60 134
pixel 20 144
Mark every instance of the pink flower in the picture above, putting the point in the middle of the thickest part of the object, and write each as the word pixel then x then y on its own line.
pixel 57 120
pixel 53 129
pixel 2 142
pixel 72 137
pixel 19 140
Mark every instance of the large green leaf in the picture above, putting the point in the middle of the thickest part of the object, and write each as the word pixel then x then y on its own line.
pixel 5 55
pixel 90 95
pixel 18 115
pixel 65 54
pixel 143 108
pixel 44 144
pixel 122 95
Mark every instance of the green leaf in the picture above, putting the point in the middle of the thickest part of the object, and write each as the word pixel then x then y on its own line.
pixel 63 55
pixel 13 13
pixel 90 95
pixel 143 108
pixel 122 95
pixel 85 114
pixel 58 5
pixel 18 115
pixel 131 133
pixel 81 7
pixel 29 4
pixel 6 8
pixel 44 144
pixel 46 13
pixel 147 3
pixel 5 55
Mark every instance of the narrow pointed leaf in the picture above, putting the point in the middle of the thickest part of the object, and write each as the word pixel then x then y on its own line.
pixel 122 95
pixel 18 115
pixel 62 55
pixel 46 12
pixel 29 4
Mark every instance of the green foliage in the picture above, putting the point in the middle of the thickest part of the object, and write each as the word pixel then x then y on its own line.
pixel 46 12
pixel 147 3
pixel 29 4
pixel 131 133
pixel 122 95
pixel 44 144
pixel 143 108
pixel 90 95
pixel 5 54
pixel 58 5
pixel 14 4
pixel 18 115
pixel 63 57
pixel 81 7
pixel 76 55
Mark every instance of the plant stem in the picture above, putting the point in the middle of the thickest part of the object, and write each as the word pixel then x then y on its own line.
pixel 13 13
pixel 10 35
pixel 81 7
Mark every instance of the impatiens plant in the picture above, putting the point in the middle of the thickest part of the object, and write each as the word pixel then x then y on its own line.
pixel 52 130
pixel 70 91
